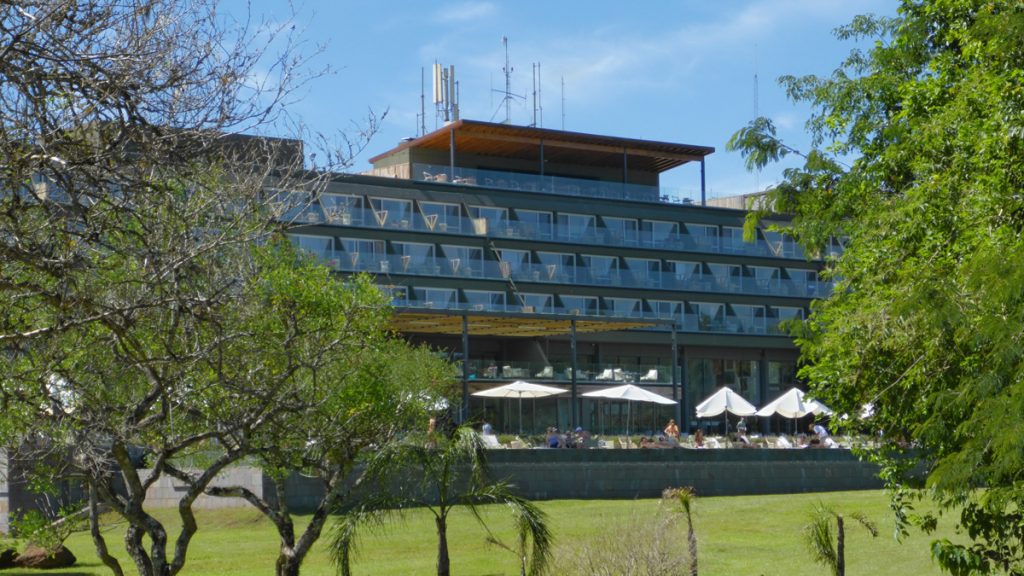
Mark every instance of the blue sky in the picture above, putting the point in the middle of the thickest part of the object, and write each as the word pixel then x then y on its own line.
pixel 676 71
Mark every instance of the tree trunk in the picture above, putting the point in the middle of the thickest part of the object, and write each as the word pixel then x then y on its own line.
pixel 691 538
pixel 287 563
pixel 840 547
pixel 443 567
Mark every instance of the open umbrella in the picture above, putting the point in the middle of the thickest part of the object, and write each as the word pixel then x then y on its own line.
pixel 630 394
pixel 793 404
pixel 520 389
pixel 725 400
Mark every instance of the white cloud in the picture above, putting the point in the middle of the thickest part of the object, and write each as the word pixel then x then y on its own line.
pixel 466 12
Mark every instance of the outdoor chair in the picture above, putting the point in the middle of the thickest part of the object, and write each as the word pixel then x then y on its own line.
pixel 651 376
pixel 626 442
pixel 618 375
pixel 547 372
pixel 783 442
pixel 518 444
pixel 606 374
pixel 606 444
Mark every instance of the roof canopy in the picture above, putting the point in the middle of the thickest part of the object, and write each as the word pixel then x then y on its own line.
pixel 526 143
pixel 492 324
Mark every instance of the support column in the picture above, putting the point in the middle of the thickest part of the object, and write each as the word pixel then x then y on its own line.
pixel 465 370
pixel 451 156
pixel 575 365
pixel 762 390
pixel 684 404
pixel 703 198
pixel 675 379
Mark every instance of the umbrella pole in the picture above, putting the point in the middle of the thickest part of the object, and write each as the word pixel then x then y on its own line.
pixel 520 413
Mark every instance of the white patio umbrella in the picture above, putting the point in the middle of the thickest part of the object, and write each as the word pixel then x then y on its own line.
pixel 725 400
pixel 630 393
pixel 793 404
pixel 520 389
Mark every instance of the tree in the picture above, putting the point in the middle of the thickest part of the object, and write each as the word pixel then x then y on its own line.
pixel 132 322
pixel 359 398
pixel 917 167
pixel 819 537
pixel 454 473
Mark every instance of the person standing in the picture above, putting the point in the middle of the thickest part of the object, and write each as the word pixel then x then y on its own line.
pixel 820 430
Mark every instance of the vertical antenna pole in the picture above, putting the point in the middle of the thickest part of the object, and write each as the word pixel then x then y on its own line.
pixel 540 99
pixel 423 103
pixel 508 83
pixel 563 102
pixel 533 71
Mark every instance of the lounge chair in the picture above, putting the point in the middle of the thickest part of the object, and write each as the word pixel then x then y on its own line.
pixel 547 372
pixel 606 374
pixel 651 376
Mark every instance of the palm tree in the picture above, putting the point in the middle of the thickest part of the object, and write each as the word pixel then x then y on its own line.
pixel 686 497
pixel 818 534
pixel 439 478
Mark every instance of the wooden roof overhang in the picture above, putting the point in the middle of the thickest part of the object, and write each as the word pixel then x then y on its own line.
pixel 557 146
pixel 418 321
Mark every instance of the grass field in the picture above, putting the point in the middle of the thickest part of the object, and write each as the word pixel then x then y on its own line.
pixel 748 535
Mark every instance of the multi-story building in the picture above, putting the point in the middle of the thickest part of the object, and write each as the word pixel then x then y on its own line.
pixel 552 256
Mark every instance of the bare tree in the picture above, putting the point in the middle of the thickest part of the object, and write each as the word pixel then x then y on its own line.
pixel 134 235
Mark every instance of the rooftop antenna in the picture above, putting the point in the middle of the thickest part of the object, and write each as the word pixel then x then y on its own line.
pixel 507 95
pixel 563 102
pixel 508 82
pixel 538 105
pixel 423 105
pixel 446 94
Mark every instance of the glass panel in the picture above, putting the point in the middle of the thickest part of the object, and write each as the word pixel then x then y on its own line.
pixel 746 318
pixel 628 307
pixel 535 224
pixel 538 303
pixel 322 247
pixel 580 304
pixel 602 269
pixel 416 257
pixel 576 226
pixel 342 209
pixel 621 230
pixel 705 235
pixel 659 233
pixel 484 300
pixel 391 212
pixel 441 217
pixel 558 266
pixel 361 253
pixel 732 239
pixel 433 297
pixel 644 270
pixel 710 316
pixel 664 308
pixel 497 218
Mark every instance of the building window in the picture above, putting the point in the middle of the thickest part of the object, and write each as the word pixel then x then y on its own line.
pixel 441 217
pixel 705 236
pixel 496 218
pixel 543 303
pixel 746 318
pixel 658 233
pixel 602 269
pixel 645 272
pixel 576 227
pixel 514 263
pixel 534 224
pixel 414 257
pixel 485 300
pixel 732 240
pixel 361 254
pixel 557 266
pixel 781 245
pixel 343 209
pixel 707 316
pixel 623 307
pixel 780 314
pixel 664 308
pixel 320 247
pixel 587 305
pixel 391 212
pixel 621 230
pixel 443 298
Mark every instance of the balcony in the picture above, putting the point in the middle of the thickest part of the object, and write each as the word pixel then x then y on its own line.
pixel 554 274
pixel 558 185
pixel 546 232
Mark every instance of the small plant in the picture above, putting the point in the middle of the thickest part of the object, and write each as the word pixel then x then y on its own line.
pixel 685 497
pixel 819 537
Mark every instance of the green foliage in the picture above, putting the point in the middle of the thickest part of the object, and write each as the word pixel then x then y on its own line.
pixel 925 320
pixel 440 474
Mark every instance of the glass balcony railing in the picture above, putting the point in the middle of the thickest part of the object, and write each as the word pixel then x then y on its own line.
pixel 561 371
pixel 393 264
pixel 559 185
pixel 547 232
pixel 685 322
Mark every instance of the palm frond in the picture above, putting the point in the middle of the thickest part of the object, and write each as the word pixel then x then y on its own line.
pixel 818 537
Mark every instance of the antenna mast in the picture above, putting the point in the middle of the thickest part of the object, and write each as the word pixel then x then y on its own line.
pixel 508 82
pixel 446 93
pixel 563 102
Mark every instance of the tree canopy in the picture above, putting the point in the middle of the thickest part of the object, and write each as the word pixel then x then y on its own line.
pixel 918 166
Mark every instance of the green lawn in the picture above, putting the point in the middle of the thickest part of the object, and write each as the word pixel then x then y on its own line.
pixel 748 535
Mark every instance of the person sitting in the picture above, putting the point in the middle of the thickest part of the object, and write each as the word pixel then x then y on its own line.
pixel 581 437
pixel 671 429
pixel 487 429
pixel 554 439
pixel 646 442
pixel 698 438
